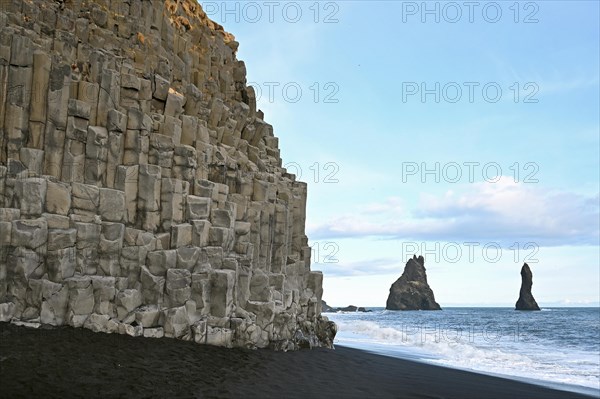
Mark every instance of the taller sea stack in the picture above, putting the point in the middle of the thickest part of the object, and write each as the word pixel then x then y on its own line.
pixel 411 291
pixel 526 300
pixel 141 191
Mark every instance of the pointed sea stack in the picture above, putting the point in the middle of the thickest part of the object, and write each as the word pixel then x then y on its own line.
pixel 526 300
pixel 411 291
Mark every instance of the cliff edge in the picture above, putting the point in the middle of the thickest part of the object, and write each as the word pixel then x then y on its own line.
pixel 141 191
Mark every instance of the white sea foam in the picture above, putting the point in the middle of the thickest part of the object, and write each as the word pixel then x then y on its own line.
pixel 524 360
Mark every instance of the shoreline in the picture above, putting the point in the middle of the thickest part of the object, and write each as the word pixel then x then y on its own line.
pixel 520 348
pixel 560 386
pixel 64 361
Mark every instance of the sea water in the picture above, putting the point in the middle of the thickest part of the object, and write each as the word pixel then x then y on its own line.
pixel 557 347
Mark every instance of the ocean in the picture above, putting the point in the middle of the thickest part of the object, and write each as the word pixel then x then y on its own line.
pixel 556 347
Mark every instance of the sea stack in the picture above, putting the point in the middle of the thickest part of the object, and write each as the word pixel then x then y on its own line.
pixel 411 291
pixel 526 300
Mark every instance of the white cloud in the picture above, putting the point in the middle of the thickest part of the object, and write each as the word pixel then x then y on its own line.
pixel 503 212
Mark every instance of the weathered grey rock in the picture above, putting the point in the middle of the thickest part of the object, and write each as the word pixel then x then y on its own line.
pixel 109 249
pixel 411 291
pixel 198 208
pixel 149 187
pixel 200 233
pixel 181 235
pixel 61 238
pixel 57 221
pixel 73 167
pixel 21 51
pixel 26 263
pixel 175 103
pixel 77 130
pixel 526 300
pixel 112 205
pixel 187 258
pixel 222 218
pixel 97 322
pixel 109 95
pixel 31 233
pixel 61 264
pixel 58 198
pixel 178 287
pixel 350 308
pixel 88 237
pixel 161 87
pixel 259 287
pixel 201 291
pixel 221 292
pixel 127 301
pixel 172 199
pixel 104 295
pixel 117 121
pixel 7 311
pixel 116 151
pixel 133 331
pixel 96 155
pixel 152 287
pixel 264 311
pixel 31 194
pixel 126 180
pixel 111 237
pixel 160 261
pixel 176 323
pixel 54 305
pixel 81 296
pixel 144 193
pixel 199 330
pixel 88 92
pixel 32 159
pixel 220 237
pixel 79 109
pixel 326 332
pixel 219 336
pixel 85 198
pixel 148 316
pixel 242 228
pixel 157 332
pixel 42 63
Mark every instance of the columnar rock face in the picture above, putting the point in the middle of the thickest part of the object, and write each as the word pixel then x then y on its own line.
pixel 411 291
pixel 526 300
pixel 141 191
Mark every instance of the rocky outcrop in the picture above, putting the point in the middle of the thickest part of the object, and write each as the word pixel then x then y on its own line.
pixel 326 308
pixel 411 291
pixel 349 308
pixel 352 308
pixel 141 191
pixel 526 300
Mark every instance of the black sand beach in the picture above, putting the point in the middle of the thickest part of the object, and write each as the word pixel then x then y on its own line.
pixel 69 362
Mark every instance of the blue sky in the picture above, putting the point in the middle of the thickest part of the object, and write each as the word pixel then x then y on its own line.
pixel 500 106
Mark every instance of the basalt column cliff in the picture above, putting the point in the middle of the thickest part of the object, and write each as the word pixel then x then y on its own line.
pixel 141 192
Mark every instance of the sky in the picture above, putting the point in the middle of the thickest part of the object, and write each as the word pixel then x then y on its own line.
pixel 466 132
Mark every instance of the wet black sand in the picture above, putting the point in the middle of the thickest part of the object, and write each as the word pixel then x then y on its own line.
pixel 68 363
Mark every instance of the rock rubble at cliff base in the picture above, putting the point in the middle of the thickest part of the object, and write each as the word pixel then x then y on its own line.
pixel 141 191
